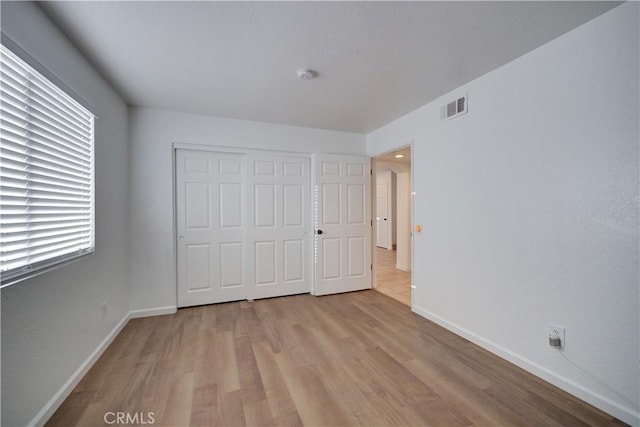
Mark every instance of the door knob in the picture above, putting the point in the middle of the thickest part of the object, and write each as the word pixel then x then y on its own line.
pixel 319 231
pixel 385 219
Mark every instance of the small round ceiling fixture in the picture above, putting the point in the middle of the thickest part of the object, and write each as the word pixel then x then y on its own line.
pixel 399 156
pixel 307 73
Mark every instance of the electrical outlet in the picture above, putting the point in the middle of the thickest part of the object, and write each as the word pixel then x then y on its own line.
pixel 103 309
pixel 556 331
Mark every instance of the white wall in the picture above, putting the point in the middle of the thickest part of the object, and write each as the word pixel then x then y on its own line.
pixel 529 210
pixel 51 324
pixel 151 210
pixel 403 221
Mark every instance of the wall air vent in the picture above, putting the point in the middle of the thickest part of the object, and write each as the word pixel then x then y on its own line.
pixel 454 108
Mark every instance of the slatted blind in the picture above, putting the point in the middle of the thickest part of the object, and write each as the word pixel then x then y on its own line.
pixel 46 173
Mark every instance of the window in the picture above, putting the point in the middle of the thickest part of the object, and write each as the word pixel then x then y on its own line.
pixel 46 173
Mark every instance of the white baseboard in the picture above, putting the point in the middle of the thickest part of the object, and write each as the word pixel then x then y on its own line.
pixel 148 312
pixel 628 415
pixel 403 268
pixel 54 403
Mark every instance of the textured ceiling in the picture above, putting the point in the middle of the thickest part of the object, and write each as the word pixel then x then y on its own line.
pixel 376 60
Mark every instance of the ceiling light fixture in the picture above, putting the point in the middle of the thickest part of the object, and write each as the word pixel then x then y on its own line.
pixel 399 156
pixel 307 73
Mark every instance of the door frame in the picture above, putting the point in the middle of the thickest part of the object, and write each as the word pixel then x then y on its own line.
pixel 374 163
pixel 175 146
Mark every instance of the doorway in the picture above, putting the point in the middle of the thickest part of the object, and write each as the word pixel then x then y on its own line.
pixel 393 251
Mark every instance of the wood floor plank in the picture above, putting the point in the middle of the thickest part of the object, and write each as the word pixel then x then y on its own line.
pixel 250 380
pixel 206 358
pixel 356 359
pixel 204 406
pixel 258 414
pixel 255 329
pixel 177 411
pixel 312 399
pixel 366 406
pixel 384 339
pixel 278 397
pixel 440 413
pixel 94 415
pixel 230 409
pixel 157 390
pixel 477 406
pixel 224 364
pixel 413 390
pixel 72 410
pixel 271 331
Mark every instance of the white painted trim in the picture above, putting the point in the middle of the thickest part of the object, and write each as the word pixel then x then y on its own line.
pixel 54 403
pixel 607 405
pixel 412 222
pixel 374 224
pixel 403 268
pixel 239 150
pixel 157 311
pixel 174 222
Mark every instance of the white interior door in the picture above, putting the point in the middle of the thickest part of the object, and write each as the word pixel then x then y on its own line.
pixel 383 235
pixel 343 223
pixel 211 227
pixel 242 226
pixel 278 206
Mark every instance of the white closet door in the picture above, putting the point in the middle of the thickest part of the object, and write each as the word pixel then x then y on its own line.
pixel 211 224
pixel 278 206
pixel 242 225
pixel 343 223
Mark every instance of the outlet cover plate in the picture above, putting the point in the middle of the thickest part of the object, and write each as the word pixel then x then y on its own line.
pixel 559 331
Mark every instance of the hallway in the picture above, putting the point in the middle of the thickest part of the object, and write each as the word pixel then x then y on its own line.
pixel 391 281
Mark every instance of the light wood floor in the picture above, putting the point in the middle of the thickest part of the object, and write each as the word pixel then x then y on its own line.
pixel 350 359
pixel 391 281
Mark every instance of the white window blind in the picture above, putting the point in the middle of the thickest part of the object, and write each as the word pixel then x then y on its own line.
pixel 46 173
